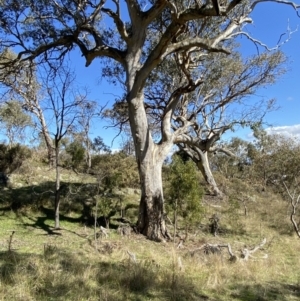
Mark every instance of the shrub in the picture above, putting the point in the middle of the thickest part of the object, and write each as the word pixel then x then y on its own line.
pixel 12 158
pixel 184 193
pixel 76 152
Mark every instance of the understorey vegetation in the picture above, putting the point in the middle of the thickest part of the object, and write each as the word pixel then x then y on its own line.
pixel 241 247
pixel 176 212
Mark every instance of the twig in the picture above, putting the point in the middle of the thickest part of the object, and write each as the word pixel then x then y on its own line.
pixel 10 240
pixel 132 256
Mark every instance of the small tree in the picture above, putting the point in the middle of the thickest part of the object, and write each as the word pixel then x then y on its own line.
pixel 63 106
pixel 184 193
pixel 294 198
pixel 89 110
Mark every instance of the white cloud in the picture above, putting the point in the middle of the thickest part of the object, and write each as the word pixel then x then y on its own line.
pixel 287 130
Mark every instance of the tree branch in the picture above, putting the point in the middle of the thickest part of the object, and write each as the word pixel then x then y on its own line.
pixel 117 19
pixel 294 203
pixel 155 10
pixel 294 5
pixel 196 42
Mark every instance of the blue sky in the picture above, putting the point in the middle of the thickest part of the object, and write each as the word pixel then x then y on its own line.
pixel 270 21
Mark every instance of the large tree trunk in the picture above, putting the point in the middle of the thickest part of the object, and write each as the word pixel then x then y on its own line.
pixel 151 212
pixel 150 157
pixel 203 166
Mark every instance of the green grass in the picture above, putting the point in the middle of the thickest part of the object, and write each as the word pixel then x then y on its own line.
pixel 64 265
pixel 42 263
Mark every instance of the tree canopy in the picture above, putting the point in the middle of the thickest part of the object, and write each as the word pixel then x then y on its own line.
pixel 133 39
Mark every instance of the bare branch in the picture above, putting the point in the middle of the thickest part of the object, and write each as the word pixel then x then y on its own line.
pixel 246 253
pixel 134 11
pixel 294 201
pixel 196 42
pixel 260 43
pixel 293 4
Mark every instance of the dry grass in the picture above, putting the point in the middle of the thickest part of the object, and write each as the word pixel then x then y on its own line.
pixel 45 264
pixel 40 266
pixel 64 265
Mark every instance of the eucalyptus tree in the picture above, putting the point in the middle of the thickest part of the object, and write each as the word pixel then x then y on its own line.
pixel 89 111
pixel 218 105
pixel 14 120
pixel 222 103
pixel 57 106
pixel 274 158
pixel 32 85
pixel 22 83
pixel 136 39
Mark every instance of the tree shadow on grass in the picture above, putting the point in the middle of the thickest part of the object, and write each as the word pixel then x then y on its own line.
pixel 270 291
pixel 36 196
pixel 40 223
pixel 60 275
pixel 146 281
pixel 40 198
pixel 56 275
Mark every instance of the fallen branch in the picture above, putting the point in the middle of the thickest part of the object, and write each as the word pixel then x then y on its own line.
pixel 217 248
pixel 104 231
pixel 132 257
pixel 248 253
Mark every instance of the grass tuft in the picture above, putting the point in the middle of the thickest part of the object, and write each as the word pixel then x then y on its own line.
pixel 41 263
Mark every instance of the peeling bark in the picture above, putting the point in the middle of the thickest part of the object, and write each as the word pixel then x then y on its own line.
pixel 150 157
pixel 151 212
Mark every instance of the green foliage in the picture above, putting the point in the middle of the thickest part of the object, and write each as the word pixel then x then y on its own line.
pixel 99 146
pixel 265 162
pixel 14 120
pixel 77 152
pixel 118 169
pixel 12 158
pixel 237 166
pixel 234 219
pixel 184 193
pixel 275 158
pixel 104 207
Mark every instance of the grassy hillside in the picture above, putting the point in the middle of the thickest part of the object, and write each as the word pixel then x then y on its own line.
pixel 40 263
